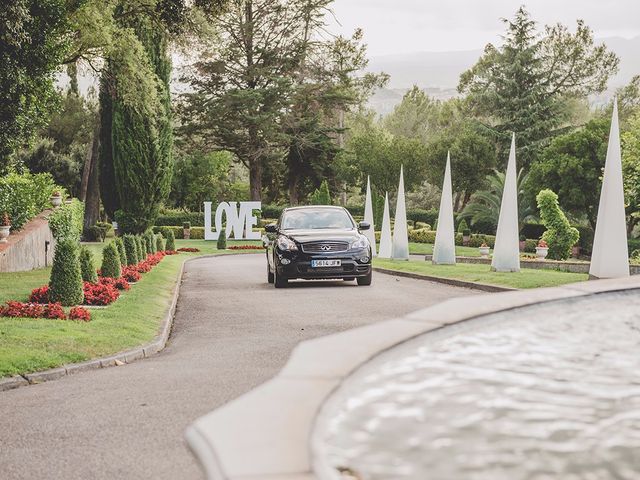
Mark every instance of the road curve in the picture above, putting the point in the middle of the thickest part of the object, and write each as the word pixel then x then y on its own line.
pixel 232 331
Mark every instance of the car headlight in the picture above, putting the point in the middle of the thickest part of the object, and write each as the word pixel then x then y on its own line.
pixel 362 242
pixel 286 244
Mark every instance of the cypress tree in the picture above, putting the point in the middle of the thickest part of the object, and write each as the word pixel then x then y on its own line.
pixel 171 241
pixel 159 243
pixel 140 248
pixel 110 261
pixel 65 283
pixel 87 266
pixel 108 192
pixel 142 141
pixel 130 249
pixel 222 241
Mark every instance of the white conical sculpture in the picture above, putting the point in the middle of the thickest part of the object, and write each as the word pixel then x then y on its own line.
pixel 444 250
pixel 368 217
pixel 506 254
pixel 385 235
pixel 610 255
pixel 400 250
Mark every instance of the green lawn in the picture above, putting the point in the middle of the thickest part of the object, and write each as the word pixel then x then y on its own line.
pixel 28 345
pixel 526 278
pixel 427 249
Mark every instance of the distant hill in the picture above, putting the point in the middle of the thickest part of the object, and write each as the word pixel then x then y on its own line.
pixel 439 72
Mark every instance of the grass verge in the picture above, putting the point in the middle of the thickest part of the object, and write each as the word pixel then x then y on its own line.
pixel 30 345
pixel 427 249
pixel 526 278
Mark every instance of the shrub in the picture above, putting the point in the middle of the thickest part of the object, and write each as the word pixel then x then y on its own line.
pixel 40 295
pixel 159 242
pixel 422 235
pixel 170 243
pixel 222 241
pixel 66 220
pixel 463 227
pixel 87 265
pixel 92 234
pixel 140 249
pixel 560 235
pixel 188 249
pixel 119 283
pixel 54 311
pixel 111 267
pixel 122 253
pixel 186 225
pixel 131 249
pixel 79 313
pixel 530 245
pixel 321 196
pixel 150 241
pixel 23 196
pixel 65 284
pixel 130 274
pixel 105 228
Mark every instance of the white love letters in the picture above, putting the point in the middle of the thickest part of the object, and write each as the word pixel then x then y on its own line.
pixel 240 222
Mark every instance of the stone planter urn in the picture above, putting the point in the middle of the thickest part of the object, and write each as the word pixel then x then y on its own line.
pixel 484 251
pixel 542 252
pixel 186 230
pixel 4 233
pixel 56 199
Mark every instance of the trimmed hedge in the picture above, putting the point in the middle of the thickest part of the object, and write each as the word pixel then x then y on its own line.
pixel 122 253
pixel 111 267
pixel 23 196
pixel 159 242
pixel 179 217
pixel 87 266
pixel 170 244
pixel 221 244
pixel 560 235
pixel 130 249
pixel 66 220
pixel 141 250
pixel 65 283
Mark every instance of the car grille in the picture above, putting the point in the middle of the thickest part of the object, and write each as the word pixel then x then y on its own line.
pixel 325 247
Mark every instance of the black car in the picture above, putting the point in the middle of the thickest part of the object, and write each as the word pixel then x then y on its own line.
pixel 318 242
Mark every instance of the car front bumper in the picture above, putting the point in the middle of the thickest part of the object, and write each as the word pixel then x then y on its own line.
pixel 351 266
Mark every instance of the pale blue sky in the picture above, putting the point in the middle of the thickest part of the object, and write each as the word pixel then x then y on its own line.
pixel 394 26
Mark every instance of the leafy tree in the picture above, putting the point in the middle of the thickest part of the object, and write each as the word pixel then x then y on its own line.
pixel 560 235
pixel 484 206
pixel 416 116
pixel 631 171
pixel 35 40
pixel 521 86
pixel 572 166
pixel 65 283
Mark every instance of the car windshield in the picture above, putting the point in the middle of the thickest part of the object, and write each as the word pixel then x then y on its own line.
pixel 316 218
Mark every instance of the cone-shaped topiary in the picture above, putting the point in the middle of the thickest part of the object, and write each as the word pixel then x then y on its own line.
pixel 142 251
pixel 87 266
pixel 121 251
pixel 560 235
pixel 222 241
pixel 159 243
pixel 65 283
pixel 170 244
pixel 130 249
pixel 110 261
pixel 151 242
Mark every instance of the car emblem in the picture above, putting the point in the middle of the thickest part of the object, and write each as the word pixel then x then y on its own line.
pixel 326 248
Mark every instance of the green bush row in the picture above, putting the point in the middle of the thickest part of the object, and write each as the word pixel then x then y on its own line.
pixel 23 196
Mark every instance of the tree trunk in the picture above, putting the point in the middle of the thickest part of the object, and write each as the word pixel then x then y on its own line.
pixel 255 179
pixel 92 189
pixel 294 179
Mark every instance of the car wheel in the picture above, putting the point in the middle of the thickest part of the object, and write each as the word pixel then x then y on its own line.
pixel 365 281
pixel 269 273
pixel 278 280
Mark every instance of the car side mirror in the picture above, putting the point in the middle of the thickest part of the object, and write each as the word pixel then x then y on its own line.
pixel 364 226
pixel 271 228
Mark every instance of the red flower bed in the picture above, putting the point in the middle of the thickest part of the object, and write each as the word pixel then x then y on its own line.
pixel 246 247
pixel 32 310
pixel 40 295
pixel 171 252
pixel 99 294
pixel 119 283
pixel 130 274
pixel 79 313
pixel 188 249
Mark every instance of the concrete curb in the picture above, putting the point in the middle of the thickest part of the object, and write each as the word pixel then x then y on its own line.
pixel 118 359
pixel 448 281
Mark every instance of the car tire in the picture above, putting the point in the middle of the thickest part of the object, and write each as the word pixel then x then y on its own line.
pixel 365 281
pixel 270 277
pixel 278 280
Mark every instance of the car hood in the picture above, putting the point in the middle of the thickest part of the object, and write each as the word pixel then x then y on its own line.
pixel 319 235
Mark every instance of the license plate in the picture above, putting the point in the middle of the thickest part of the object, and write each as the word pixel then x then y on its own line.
pixel 325 263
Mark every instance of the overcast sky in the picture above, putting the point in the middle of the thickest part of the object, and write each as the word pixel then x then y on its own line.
pixel 396 26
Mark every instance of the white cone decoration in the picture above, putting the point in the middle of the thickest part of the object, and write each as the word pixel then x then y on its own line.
pixel 506 254
pixel 610 255
pixel 368 217
pixel 444 250
pixel 400 249
pixel 385 235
